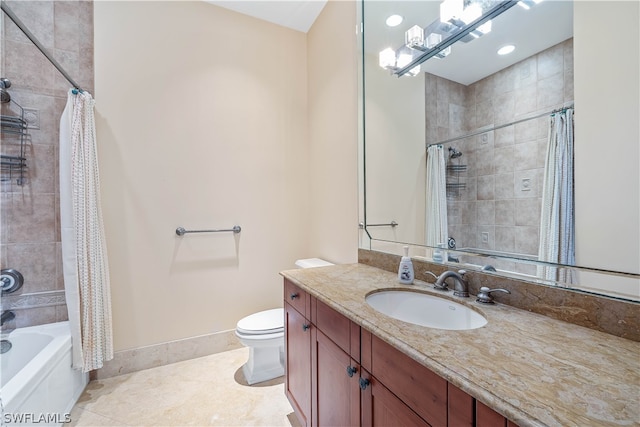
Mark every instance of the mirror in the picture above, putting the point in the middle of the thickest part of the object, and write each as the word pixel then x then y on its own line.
pixel 491 116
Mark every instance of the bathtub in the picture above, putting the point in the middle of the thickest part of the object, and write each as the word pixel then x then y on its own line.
pixel 38 386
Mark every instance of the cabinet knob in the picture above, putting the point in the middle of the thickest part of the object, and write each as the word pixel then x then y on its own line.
pixel 294 296
pixel 351 370
pixel 364 383
pixel 305 327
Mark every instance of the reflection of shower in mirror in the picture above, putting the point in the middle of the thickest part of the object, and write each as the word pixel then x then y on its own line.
pixel 454 153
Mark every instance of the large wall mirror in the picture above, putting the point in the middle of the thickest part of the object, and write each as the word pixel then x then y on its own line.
pixel 460 143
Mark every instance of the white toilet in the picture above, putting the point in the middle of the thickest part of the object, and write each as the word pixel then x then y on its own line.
pixel 263 333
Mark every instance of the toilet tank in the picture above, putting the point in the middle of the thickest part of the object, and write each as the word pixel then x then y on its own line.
pixel 312 262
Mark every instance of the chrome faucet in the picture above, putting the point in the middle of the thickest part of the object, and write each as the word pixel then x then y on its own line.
pixel 461 287
pixel 7 316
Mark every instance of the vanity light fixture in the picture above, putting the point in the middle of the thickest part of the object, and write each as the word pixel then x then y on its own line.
pixel 432 41
pixel 456 23
pixel 391 60
pixel 451 11
pixel 394 20
pixel 414 37
pixel 528 4
pixel 506 49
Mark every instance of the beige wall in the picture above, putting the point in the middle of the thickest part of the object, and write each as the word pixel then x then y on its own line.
pixel 607 98
pixel 333 132
pixel 202 118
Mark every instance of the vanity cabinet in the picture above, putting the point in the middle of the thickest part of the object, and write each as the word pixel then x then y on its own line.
pixel 297 352
pixel 338 374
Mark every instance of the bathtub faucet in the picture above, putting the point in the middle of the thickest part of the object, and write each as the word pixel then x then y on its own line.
pixel 7 317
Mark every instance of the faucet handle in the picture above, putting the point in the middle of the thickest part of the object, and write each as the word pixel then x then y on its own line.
pixel 484 296
pixel 431 273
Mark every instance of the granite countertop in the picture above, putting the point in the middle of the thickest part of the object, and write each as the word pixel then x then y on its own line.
pixel 534 370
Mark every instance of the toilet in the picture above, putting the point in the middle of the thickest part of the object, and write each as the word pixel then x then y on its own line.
pixel 263 333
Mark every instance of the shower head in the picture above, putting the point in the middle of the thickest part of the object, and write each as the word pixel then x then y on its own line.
pixel 454 153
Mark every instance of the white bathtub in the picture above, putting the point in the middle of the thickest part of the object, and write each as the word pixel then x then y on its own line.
pixel 38 386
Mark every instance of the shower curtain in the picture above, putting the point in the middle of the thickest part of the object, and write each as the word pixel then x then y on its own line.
pixel 557 225
pixel 84 255
pixel 436 225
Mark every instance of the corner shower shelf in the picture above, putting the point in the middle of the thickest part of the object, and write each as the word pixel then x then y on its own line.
pixel 15 128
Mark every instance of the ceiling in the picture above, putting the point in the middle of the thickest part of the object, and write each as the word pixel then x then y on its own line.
pixel 298 15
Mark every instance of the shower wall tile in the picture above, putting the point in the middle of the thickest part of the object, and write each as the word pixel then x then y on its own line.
pixel 527 240
pixel 66 34
pixel 484 113
pixel 526 184
pixel 31 218
pixel 526 100
pixel 504 107
pixel 486 237
pixel 504 159
pixel 41 168
pixel 30 221
pixel 505 238
pixel 468 212
pixel 504 187
pixel 504 136
pixel 486 159
pixel 486 187
pixel 551 61
pixel 27 68
pixel 526 155
pixel 36 262
pixel 486 212
pixel 528 212
pixel 505 212
pixel 526 72
pixel 26 317
pixel 37 16
pixel 526 131
pixel 551 91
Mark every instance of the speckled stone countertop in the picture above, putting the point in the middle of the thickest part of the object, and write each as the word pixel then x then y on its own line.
pixel 534 370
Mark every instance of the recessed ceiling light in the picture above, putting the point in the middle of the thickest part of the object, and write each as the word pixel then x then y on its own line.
pixel 394 20
pixel 505 50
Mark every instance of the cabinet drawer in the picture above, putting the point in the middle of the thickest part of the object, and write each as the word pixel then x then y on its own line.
pixel 421 389
pixel 334 325
pixel 297 298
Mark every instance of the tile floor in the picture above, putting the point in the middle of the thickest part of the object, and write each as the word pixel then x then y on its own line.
pixel 208 391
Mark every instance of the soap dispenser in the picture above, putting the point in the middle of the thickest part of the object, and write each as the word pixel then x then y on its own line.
pixel 405 271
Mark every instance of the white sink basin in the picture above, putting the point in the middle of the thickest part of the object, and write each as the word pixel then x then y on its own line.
pixel 425 310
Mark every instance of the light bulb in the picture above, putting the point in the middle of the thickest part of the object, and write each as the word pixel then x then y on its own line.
pixel 414 37
pixel 451 10
pixel 387 58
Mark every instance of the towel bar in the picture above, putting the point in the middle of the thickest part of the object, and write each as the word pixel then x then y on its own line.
pixel 180 231
pixel 391 224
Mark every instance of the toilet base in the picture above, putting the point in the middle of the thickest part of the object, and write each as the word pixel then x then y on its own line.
pixel 265 363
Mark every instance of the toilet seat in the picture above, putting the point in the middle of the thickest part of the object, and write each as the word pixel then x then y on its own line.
pixel 266 322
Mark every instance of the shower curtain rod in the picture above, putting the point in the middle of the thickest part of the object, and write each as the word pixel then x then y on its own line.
pixel 7 10
pixel 478 132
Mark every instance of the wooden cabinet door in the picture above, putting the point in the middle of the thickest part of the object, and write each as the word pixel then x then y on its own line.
pixel 336 390
pixel 487 417
pixel 381 408
pixel 298 363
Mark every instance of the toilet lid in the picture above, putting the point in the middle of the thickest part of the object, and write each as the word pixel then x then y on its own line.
pixel 264 322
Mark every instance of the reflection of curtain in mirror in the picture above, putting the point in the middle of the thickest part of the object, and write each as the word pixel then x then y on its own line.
pixel 557 227
pixel 436 218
